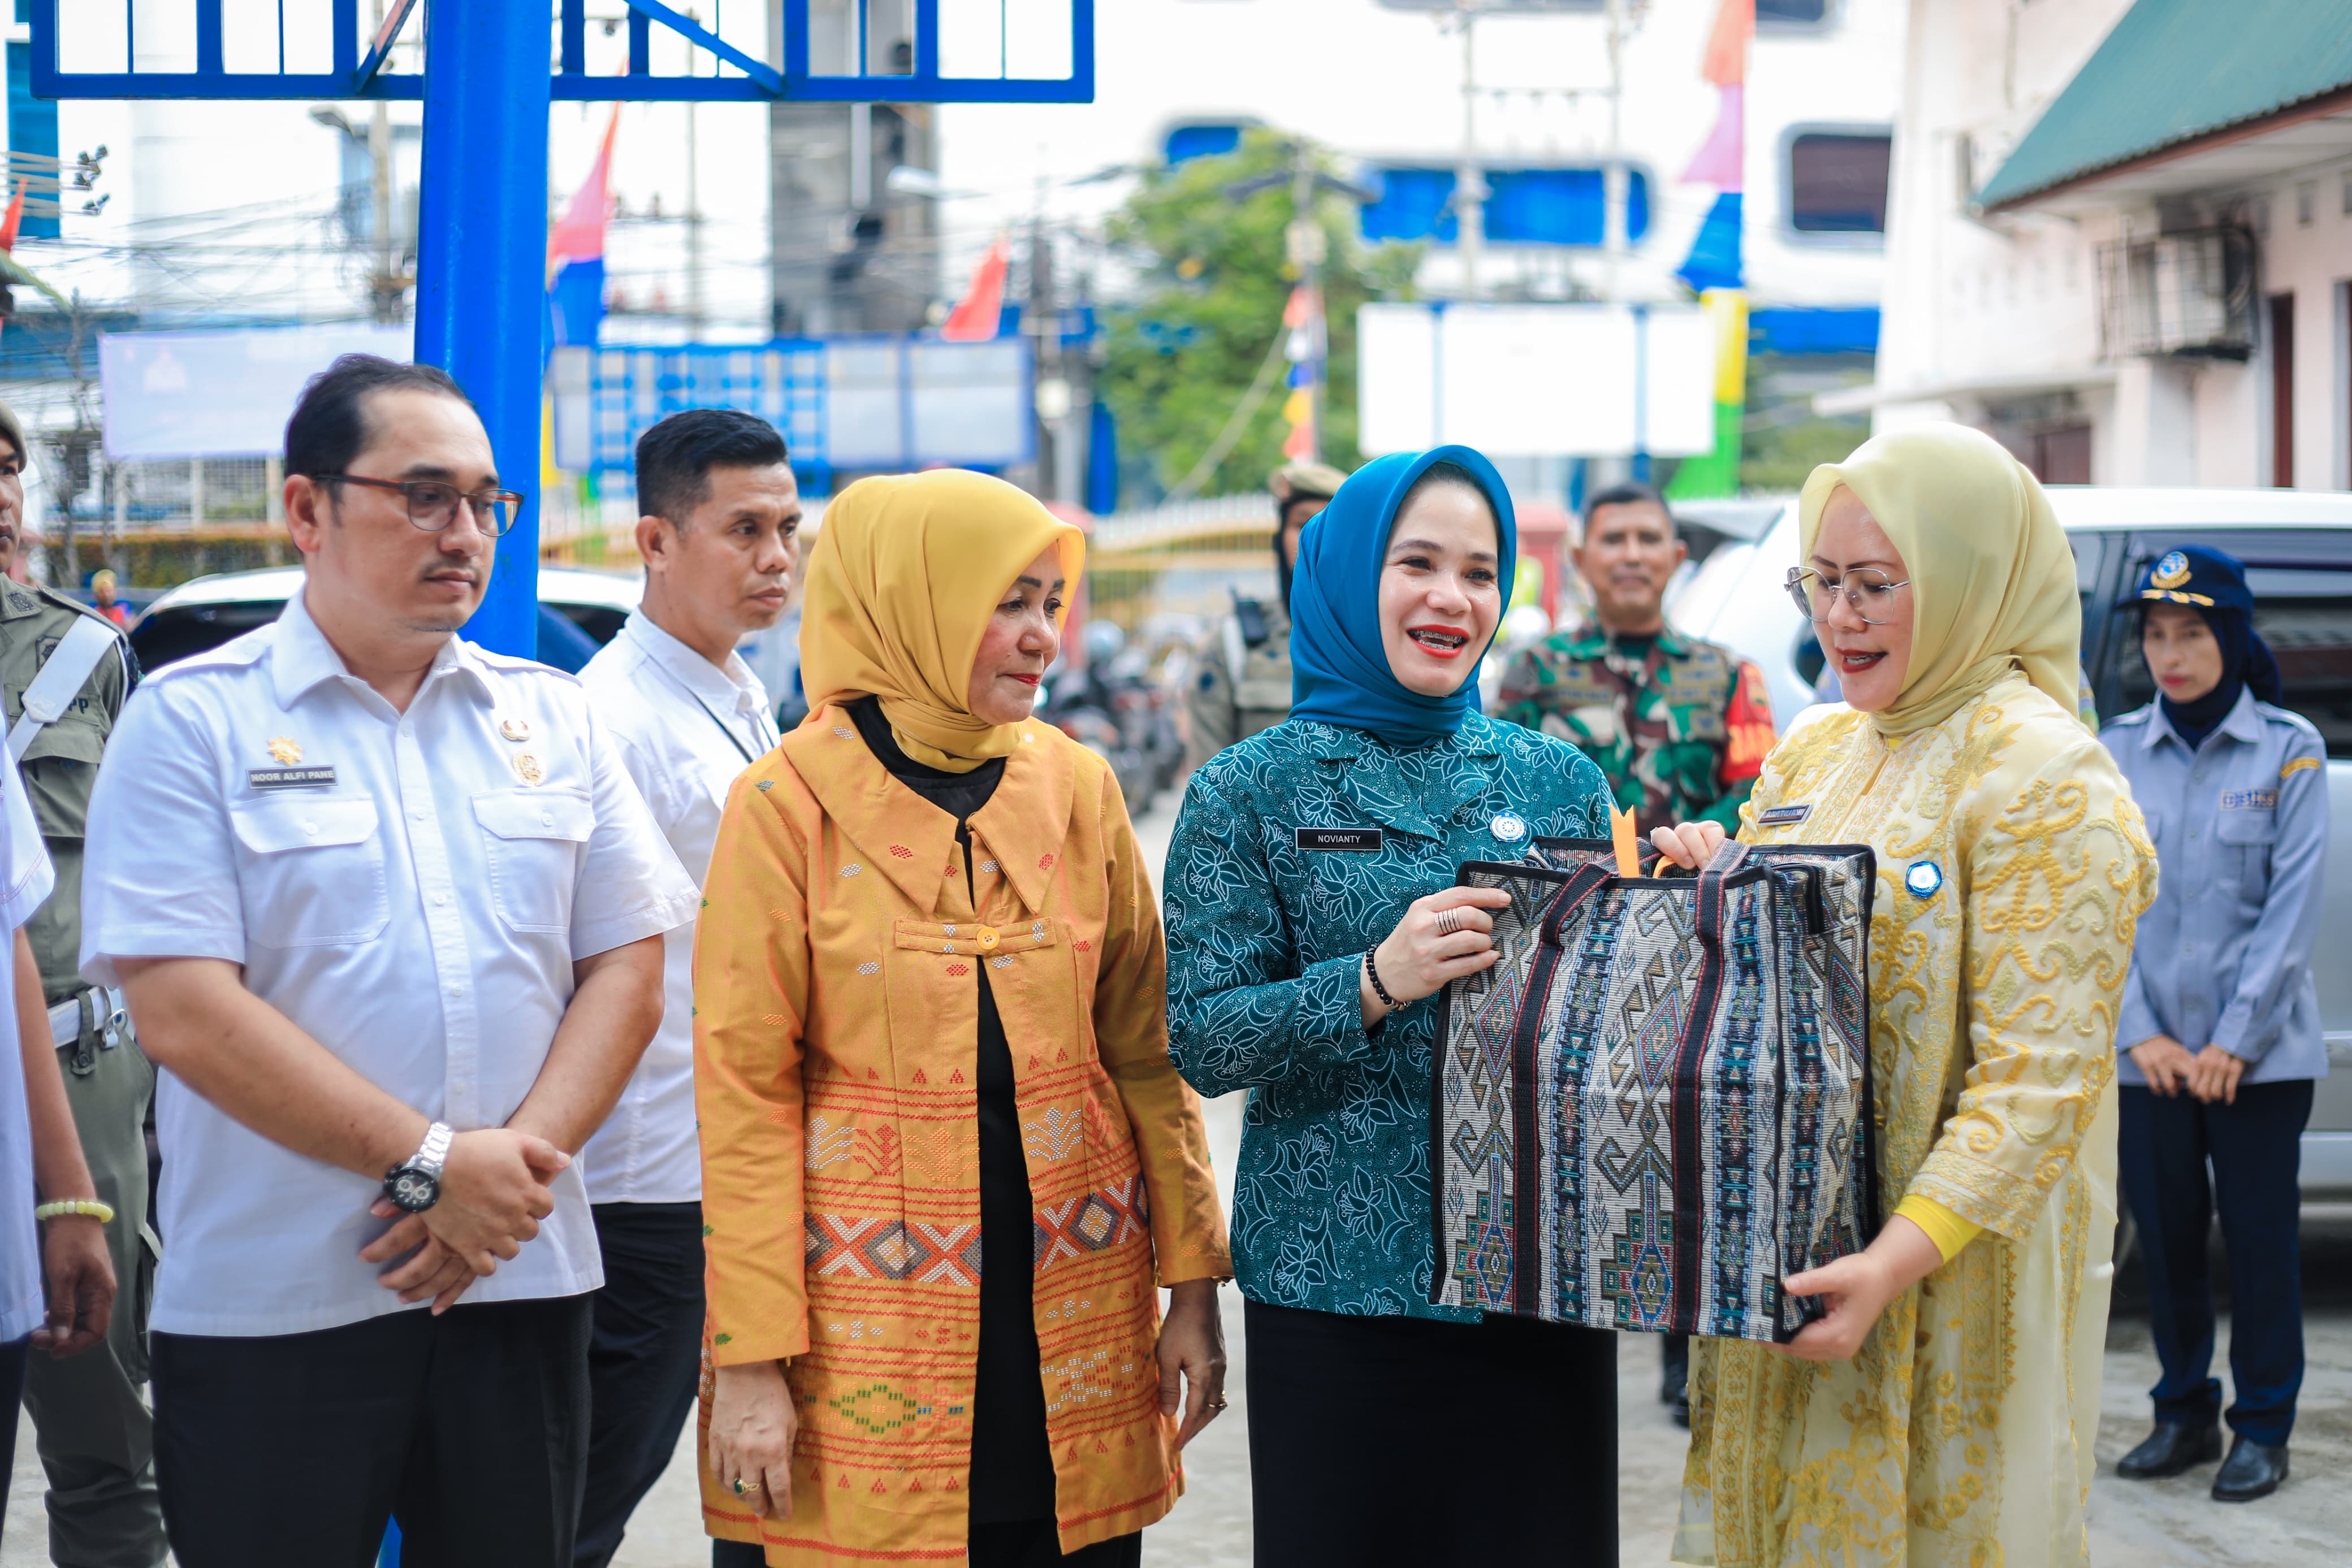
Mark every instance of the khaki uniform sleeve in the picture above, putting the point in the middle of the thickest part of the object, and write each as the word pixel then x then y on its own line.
pixel 1188 1224
pixel 2057 883
pixel 750 994
pixel 1212 717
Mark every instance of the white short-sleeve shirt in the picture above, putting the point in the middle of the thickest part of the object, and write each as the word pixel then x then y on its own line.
pixel 686 730
pixel 26 879
pixel 410 889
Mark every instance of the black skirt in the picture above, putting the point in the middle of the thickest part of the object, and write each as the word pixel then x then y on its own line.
pixel 1406 1440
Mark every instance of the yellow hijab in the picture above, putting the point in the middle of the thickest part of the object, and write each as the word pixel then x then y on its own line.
pixel 904 578
pixel 1993 578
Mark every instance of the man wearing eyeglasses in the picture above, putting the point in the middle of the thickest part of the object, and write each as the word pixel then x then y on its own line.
pixel 388 913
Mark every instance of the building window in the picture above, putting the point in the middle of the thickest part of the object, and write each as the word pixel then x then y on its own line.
pixel 1837 182
pixel 2307 203
pixel 1523 206
pixel 1186 142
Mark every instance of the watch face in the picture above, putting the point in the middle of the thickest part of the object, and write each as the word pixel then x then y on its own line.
pixel 414 1190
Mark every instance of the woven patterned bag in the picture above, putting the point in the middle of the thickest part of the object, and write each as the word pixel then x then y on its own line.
pixel 1655 1105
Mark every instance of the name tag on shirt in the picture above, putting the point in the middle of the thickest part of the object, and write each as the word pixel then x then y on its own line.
pixel 1354 841
pixel 289 777
pixel 1783 816
pixel 2250 800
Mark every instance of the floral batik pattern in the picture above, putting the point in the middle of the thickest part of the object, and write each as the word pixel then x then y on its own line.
pixel 1265 942
pixel 2012 871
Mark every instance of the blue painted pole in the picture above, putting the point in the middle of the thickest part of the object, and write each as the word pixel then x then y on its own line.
pixel 480 260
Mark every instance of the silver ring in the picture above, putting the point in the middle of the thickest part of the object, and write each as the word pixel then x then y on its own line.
pixel 1448 922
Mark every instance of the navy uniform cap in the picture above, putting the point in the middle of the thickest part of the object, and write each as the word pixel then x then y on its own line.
pixel 2196 576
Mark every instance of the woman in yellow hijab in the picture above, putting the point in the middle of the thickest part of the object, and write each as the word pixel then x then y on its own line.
pixel 1943 1412
pixel 947 1161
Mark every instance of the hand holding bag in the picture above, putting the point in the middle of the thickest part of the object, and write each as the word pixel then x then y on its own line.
pixel 1656 1104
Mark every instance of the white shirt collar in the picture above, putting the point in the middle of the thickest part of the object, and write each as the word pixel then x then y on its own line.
pixel 300 657
pixel 732 687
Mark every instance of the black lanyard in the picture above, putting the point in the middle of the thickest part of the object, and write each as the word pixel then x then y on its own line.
pixel 731 738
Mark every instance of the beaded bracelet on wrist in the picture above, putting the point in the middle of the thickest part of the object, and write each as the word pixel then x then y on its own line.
pixel 1372 973
pixel 101 1212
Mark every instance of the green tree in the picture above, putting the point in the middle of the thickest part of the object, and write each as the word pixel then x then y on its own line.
pixel 1211 279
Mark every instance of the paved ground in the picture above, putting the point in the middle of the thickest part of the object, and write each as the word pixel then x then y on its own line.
pixel 2168 1524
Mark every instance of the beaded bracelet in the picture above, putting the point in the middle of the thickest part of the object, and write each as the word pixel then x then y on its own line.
pixel 1372 973
pixel 101 1212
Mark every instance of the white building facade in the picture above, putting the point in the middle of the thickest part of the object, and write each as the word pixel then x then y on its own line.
pixel 2120 239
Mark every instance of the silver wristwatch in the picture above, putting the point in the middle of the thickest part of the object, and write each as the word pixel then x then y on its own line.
pixel 415 1185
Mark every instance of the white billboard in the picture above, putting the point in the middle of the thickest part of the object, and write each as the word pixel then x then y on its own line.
pixel 1536 380
pixel 220 394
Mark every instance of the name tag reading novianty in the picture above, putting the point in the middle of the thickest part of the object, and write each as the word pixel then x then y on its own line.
pixel 289 777
pixel 1355 840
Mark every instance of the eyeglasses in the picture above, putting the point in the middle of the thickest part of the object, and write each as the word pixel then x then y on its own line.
pixel 1868 591
pixel 433 505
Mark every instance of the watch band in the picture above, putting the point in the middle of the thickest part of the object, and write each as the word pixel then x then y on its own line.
pixel 431 1152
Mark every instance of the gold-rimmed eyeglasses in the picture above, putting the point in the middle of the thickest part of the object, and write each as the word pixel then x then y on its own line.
pixel 433 504
pixel 1870 593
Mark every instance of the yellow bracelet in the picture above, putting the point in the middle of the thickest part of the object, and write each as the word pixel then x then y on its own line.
pixel 102 1213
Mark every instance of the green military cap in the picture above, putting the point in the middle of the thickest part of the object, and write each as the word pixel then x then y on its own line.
pixel 1305 481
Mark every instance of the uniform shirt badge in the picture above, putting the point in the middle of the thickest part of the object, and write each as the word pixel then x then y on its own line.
pixel 1924 878
pixel 285 752
pixel 527 768
pixel 1783 816
pixel 515 729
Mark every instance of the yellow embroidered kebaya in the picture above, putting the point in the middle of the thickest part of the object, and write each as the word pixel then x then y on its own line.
pixel 1961 1435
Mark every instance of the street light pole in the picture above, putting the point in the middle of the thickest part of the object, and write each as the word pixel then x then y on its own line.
pixel 1469 180
pixel 482 254
pixel 1613 174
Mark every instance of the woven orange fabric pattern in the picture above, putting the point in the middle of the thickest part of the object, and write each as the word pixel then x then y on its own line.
pixel 835 1033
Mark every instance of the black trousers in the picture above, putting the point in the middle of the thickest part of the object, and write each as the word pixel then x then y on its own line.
pixel 471 1428
pixel 1441 1444
pixel 1029 1545
pixel 2254 1148
pixel 15 1356
pixel 645 1362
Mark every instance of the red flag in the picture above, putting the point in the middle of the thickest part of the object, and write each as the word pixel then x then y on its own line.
pixel 973 321
pixel 16 216
pixel 579 233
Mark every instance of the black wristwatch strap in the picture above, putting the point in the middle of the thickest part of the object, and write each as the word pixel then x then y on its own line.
pixel 1372 973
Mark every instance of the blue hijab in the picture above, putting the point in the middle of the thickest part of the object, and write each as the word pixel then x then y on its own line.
pixel 1339 666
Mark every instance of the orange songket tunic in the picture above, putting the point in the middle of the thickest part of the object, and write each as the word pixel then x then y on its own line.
pixel 836 1032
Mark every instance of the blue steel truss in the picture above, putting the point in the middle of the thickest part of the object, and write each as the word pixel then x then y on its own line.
pixel 357 68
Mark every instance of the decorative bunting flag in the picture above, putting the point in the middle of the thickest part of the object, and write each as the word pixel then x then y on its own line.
pixel 1713 269
pixel 974 319
pixel 575 251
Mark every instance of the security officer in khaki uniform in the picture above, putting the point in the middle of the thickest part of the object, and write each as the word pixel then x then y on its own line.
pixel 64 674
pixel 1243 684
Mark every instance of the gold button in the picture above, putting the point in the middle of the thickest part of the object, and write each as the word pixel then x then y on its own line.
pixel 987 939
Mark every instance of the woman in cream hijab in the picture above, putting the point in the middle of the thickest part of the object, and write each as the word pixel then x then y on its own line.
pixel 947 1161
pixel 1943 1412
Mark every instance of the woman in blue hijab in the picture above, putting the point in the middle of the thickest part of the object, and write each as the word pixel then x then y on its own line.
pixel 1312 919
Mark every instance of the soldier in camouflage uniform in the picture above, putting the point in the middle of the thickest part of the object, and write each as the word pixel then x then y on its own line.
pixel 1243 683
pixel 1680 727
pixel 96 1433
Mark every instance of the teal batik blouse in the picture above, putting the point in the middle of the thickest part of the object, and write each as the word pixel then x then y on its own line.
pixel 1331 1202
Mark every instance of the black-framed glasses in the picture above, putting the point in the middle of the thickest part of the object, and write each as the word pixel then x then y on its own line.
pixel 1870 593
pixel 433 504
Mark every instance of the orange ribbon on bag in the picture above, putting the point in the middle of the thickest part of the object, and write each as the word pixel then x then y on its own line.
pixel 1620 833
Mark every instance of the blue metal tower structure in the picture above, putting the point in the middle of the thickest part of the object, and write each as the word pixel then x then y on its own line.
pixel 482 219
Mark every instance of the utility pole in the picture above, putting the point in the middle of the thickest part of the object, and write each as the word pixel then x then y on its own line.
pixel 1469 180
pixel 386 287
pixel 694 300
pixel 1613 173
pixel 1044 325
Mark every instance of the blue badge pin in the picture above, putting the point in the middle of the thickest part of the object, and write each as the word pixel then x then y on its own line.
pixel 1924 878
pixel 1509 827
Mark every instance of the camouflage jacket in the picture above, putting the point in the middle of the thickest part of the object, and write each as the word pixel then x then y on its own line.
pixel 1680 735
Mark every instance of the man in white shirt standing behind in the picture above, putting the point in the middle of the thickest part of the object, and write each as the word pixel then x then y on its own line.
pixel 388 909
pixel 719 508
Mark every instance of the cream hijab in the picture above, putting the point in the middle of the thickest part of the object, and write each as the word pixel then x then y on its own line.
pixel 904 575
pixel 1993 578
